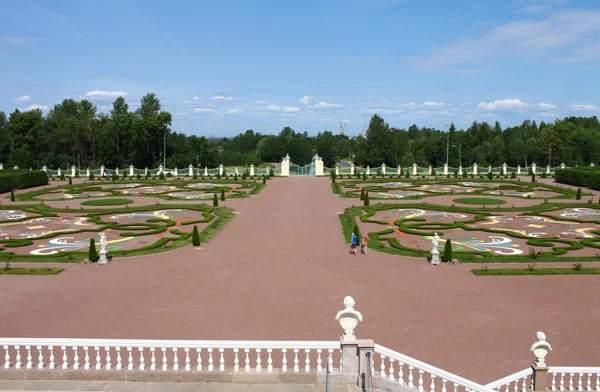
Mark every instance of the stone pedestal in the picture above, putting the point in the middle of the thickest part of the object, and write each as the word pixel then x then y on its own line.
pixel 103 257
pixel 540 377
pixel 435 257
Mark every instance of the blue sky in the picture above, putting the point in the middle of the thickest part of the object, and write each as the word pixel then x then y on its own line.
pixel 222 67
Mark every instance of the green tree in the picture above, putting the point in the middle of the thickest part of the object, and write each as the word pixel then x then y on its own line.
pixel 578 196
pixel 92 254
pixel 215 200
pixel 222 195
pixel 195 237
pixel 366 199
pixel 12 195
pixel 447 251
pixel 70 181
pixel 532 177
pixel 264 179
pixel 362 193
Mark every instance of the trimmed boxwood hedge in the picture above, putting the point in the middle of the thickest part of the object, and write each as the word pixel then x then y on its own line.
pixel 21 179
pixel 579 176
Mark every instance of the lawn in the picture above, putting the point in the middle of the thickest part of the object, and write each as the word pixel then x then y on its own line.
pixel 30 271
pixel 106 202
pixel 479 201
pixel 535 271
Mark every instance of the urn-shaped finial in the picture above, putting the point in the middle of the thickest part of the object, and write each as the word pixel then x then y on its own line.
pixel 540 349
pixel 348 319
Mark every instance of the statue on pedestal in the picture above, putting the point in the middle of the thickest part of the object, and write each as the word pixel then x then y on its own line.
pixel 103 259
pixel 435 254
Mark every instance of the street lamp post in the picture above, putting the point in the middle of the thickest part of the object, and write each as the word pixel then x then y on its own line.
pixel 459 154
pixel 165 152
pixel 447 144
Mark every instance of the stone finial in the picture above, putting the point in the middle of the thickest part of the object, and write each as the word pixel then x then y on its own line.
pixel 348 319
pixel 540 349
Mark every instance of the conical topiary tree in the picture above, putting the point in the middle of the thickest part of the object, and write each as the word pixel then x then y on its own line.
pixel 264 179
pixel 362 194
pixel 195 237
pixel 366 199
pixel 532 177
pixel 222 195
pixel 92 254
pixel 215 200
pixel 70 181
pixel 578 196
pixel 12 195
pixel 447 251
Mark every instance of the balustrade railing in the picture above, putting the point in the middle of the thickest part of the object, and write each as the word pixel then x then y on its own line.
pixel 517 382
pixel 176 355
pixel 412 373
pixel 563 378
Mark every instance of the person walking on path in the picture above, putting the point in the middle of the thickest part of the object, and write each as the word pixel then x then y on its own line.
pixel 363 245
pixel 354 244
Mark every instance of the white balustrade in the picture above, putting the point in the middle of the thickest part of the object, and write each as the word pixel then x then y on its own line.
pixel 576 376
pixel 519 381
pixel 118 355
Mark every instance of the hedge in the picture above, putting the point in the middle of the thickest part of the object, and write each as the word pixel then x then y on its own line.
pixel 579 176
pixel 21 179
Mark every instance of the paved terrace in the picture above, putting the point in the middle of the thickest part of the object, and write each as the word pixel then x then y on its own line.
pixel 280 271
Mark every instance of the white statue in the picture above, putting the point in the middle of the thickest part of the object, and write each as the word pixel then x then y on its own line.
pixel 103 243
pixel 435 241
pixel 349 319
pixel 540 349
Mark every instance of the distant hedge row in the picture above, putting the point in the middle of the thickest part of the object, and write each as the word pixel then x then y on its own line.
pixel 21 179
pixel 585 177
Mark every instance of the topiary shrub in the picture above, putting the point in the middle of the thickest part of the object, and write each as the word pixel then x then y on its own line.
pixel 161 176
pixel 12 195
pixel 222 195
pixel 195 237
pixel 271 173
pixel 264 179
pixel 364 176
pixel 433 172
pixel 70 181
pixel 366 199
pixel 235 177
pixel 447 256
pixel 490 176
pixel 62 176
pixel 91 176
pixel 513 175
pixel 92 254
pixel 362 194
pixel 578 196
pixel 532 177
pixel 138 176
pixel 215 201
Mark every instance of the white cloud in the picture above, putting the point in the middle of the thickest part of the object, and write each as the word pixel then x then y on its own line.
pixel 290 109
pixel 555 37
pixel 24 98
pixel 222 98
pixel 203 110
pixel 99 94
pixel 323 105
pixel 33 107
pixel 381 111
pixel 274 108
pixel 429 103
pixel 504 105
pixel 546 107
pixel 260 101
pixel 277 108
pixel 305 100
pixel 585 108
pixel 232 111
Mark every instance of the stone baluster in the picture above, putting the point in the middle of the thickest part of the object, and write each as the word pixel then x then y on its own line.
pixel 571 375
pixel 108 364
pixel 410 377
pixel 516 388
pixel 247 360
pixel 6 357
pixel 455 387
pixel 401 373
pixel 142 360
pixel 221 360
pixel 187 359
pixel 29 358
pixel 211 365
pixel 175 359
pixel 119 363
pixel 562 382
pixel 580 382
pixel 236 360
pixel 51 365
pixel 597 382
pixel 319 362
pixel 307 360
pixel 589 382
pixel 130 358
pixel 153 359
pixel 553 388
pixel 258 361
pixel 420 388
pixel 75 358
pixel 65 364
pixel 165 365
pixel 98 360
pixel 296 362
pixel 270 360
pixel 199 359
pixel 444 381
pixel 17 358
pixel 284 360
pixel 432 385
pixel 391 376
pixel 40 364
pixel 382 366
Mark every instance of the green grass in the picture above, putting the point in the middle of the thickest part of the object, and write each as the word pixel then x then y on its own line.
pixel 479 201
pixel 106 202
pixel 535 271
pixel 31 271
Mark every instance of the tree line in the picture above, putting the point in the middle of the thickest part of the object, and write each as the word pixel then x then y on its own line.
pixel 75 133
